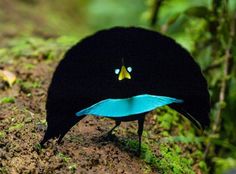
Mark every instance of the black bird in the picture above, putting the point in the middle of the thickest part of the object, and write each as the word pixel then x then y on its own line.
pixel 123 73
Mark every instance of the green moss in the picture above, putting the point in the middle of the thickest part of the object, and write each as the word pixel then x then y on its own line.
pixel 27 86
pixel 64 158
pixel 2 134
pixel 29 66
pixel 38 147
pixel 7 100
pixel 32 47
pixel 148 156
pixel 166 117
pixel 17 126
pixel 3 170
pixel 72 167
pixel 176 154
pixel 172 161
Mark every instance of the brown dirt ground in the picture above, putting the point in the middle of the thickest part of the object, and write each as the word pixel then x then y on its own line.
pixel 82 150
pixel 22 125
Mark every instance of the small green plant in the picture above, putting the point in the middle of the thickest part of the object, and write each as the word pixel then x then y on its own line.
pixel 17 126
pixel 7 100
pixel 3 170
pixel 64 158
pixel 2 134
pixel 38 147
pixel 72 167
pixel 131 145
pixel 29 66
pixel 42 122
pixel 26 86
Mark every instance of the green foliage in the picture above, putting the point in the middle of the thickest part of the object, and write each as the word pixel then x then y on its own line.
pixel 224 164
pixel 72 167
pixel 173 162
pixel 64 157
pixel 207 29
pixel 16 127
pixel 169 161
pixel 7 100
pixel 67 160
pixel 38 147
pixel 124 13
pixel 183 139
pixel 30 47
pixel 175 158
pixel 42 122
pixel 3 170
pixel 167 119
pixel 148 156
pixel 27 86
pixel 2 134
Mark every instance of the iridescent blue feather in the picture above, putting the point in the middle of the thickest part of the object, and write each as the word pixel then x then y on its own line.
pixel 128 106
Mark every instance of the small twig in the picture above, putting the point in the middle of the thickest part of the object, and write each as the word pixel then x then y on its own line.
pixel 156 8
pixel 213 66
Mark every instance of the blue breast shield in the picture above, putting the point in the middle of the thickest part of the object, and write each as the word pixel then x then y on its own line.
pixel 127 106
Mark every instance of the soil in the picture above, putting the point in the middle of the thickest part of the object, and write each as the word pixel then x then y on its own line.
pixel 83 149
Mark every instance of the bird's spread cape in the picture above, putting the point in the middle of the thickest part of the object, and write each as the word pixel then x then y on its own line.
pixel 127 106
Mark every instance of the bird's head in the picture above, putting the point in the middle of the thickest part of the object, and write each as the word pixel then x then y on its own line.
pixel 123 72
pixel 58 127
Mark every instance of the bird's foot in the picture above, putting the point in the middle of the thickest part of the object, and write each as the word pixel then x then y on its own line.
pixel 108 137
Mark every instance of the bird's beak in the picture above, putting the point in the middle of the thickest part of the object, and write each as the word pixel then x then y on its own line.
pixel 124 74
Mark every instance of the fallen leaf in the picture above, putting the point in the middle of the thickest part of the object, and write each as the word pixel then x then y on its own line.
pixel 8 76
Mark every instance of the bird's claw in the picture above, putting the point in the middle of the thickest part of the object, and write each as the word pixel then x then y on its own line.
pixel 108 137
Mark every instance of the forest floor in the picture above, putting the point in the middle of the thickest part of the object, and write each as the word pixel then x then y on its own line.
pixel 23 124
pixel 169 142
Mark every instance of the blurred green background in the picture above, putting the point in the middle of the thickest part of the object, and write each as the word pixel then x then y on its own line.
pixel 207 28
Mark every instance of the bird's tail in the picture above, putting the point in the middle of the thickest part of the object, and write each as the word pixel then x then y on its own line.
pixel 193 120
pixel 182 111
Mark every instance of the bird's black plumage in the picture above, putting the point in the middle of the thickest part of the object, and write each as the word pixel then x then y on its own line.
pixel 160 67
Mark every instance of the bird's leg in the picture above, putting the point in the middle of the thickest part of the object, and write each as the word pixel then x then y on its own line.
pixel 140 132
pixel 61 137
pixel 117 124
pixel 108 135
